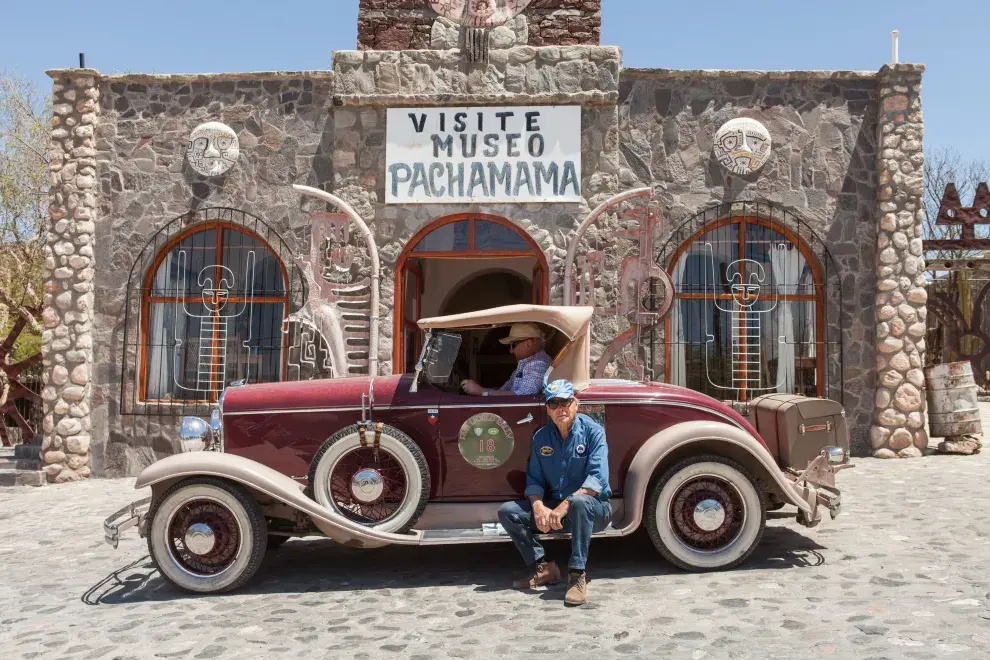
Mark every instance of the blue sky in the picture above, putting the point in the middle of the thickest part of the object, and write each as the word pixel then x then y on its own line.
pixel 951 38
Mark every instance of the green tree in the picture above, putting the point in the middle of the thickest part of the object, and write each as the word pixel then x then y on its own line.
pixel 24 138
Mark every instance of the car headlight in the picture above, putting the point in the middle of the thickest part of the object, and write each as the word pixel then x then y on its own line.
pixel 835 454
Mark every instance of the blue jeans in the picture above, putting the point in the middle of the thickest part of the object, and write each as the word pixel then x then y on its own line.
pixel 586 516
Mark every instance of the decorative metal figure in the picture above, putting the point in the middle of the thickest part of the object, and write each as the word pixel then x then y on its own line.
pixel 211 362
pixel 746 279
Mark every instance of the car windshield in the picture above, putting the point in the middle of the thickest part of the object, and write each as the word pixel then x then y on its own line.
pixel 439 356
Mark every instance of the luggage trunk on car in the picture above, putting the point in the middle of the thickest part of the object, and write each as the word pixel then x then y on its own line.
pixel 796 427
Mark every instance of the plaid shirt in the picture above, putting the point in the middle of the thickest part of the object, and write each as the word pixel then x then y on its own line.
pixel 529 374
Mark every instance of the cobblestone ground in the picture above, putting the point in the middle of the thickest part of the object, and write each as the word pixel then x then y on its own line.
pixel 902 573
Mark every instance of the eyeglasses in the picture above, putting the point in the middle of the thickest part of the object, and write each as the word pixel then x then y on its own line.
pixel 553 404
pixel 513 344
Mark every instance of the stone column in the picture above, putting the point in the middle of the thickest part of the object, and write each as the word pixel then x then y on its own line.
pixel 67 343
pixel 901 303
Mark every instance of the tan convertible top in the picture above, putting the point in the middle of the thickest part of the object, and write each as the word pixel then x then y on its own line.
pixel 572 362
pixel 569 320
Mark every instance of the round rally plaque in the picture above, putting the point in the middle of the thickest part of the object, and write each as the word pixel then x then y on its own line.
pixel 486 441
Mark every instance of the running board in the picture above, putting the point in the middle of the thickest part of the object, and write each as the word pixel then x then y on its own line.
pixel 493 533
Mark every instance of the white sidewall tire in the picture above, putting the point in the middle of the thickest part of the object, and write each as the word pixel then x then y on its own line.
pixel 251 527
pixel 665 538
pixel 414 466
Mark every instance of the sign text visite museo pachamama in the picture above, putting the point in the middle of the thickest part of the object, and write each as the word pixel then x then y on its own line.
pixel 482 155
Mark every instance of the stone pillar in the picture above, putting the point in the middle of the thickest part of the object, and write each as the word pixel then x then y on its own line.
pixel 67 343
pixel 901 302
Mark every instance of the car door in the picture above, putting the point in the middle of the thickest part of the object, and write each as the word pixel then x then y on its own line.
pixel 486 443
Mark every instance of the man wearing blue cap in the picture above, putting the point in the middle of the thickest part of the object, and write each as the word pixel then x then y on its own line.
pixel 567 490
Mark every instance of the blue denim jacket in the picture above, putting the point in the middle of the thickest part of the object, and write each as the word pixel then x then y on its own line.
pixel 558 468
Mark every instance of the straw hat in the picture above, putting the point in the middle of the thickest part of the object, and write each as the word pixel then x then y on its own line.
pixel 520 331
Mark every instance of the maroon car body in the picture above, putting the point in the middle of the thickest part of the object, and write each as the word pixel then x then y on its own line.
pixel 286 435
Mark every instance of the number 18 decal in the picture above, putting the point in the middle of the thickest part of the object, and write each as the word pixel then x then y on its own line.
pixel 486 441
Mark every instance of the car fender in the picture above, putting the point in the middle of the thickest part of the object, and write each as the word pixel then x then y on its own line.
pixel 263 480
pixel 706 437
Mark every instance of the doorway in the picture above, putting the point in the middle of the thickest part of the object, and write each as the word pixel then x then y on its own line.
pixel 459 264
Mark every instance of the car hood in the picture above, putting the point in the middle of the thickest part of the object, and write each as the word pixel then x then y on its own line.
pixel 316 394
pixel 629 391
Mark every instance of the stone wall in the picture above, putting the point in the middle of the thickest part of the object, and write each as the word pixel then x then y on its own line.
pixel 285 130
pixel 565 22
pixel 901 297
pixel 394 24
pixel 67 340
pixel 407 24
pixel 822 169
pixel 577 74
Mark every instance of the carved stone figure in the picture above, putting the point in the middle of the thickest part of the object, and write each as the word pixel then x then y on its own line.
pixel 328 270
pixel 213 148
pixel 742 145
pixel 479 13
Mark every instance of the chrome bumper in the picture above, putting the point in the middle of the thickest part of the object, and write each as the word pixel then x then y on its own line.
pixel 816 486
pixel 132 514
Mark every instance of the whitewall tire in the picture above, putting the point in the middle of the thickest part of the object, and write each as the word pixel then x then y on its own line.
pixel 207 535
pixel 706 513
pixel 385 486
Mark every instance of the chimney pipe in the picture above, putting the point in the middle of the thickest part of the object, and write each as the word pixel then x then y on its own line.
pixel 82 60
pixel 894 38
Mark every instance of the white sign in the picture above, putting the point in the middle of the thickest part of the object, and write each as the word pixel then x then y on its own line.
pixel 483 155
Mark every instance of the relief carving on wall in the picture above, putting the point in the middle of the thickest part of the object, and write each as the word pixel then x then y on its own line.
pixel 332 326
pixel 479 13
pixel 621 280
pixel 477 18
pixel 742 145
pixel 213 148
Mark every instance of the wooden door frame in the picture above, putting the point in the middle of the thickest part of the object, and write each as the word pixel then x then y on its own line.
pixel 399 320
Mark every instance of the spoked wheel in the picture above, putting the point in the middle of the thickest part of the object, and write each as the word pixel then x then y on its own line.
pixel 384 485
pixel 706 513
pixel 368 485
pixel 207 535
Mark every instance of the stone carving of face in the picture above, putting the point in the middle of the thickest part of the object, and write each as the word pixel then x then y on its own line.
pixel 215 297
pixel 742 145
pixel 745 293
pixel 213 148
pixel 479 13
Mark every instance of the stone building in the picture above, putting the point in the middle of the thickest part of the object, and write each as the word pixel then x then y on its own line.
pixel 497 158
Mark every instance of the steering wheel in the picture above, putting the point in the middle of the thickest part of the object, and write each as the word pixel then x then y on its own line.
pixel 453 383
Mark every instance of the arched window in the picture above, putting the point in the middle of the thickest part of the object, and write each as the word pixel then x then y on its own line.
pixel 748 313
pixel 452 250
pixel 213 307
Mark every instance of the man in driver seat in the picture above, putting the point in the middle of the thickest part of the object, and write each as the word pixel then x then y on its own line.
pixel 525 342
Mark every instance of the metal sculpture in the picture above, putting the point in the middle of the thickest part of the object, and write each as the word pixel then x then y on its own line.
pixel 330 294
pixel 746 281
pixel 742 145
pixel 969 338
pixel 644 290
pixel 213 148
pixel 333 293
pixel 211 361
pixel 477 17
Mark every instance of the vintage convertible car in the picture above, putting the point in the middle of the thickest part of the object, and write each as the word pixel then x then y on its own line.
pixel 371 461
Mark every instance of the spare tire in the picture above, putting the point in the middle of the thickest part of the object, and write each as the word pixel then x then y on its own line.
pixel 384 485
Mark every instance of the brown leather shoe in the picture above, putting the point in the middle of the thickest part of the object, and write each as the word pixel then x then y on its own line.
pixel 577 589
pixel 543 573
